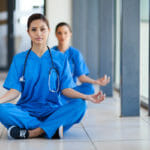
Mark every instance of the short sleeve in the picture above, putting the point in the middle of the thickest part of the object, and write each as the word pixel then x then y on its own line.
pixel 12 79
pixel 80 65
pixel 66 80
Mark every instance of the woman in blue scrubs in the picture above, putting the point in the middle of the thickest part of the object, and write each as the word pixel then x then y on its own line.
pixel 41 75
pixel 77 64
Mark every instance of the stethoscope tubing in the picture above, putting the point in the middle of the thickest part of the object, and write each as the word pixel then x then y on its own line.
pixel 22 79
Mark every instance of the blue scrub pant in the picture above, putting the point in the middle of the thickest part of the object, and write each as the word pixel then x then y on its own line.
pixel 85 88
pixel 66 115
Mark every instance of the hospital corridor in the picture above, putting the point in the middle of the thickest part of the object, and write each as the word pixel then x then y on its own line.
pixel 77 75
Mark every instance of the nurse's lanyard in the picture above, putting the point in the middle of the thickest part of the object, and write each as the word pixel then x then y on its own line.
pixel 53 71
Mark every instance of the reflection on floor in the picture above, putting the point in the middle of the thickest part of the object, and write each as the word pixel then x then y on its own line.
pixel 101 129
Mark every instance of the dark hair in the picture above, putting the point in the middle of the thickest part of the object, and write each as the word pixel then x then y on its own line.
pixel 62 24
pixel 36 17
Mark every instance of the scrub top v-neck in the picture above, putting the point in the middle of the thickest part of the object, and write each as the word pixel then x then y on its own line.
pixel 35 96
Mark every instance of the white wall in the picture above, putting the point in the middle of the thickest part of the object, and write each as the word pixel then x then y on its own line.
pixel 57 11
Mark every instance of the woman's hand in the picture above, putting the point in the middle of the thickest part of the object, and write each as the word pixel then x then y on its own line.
pixel 96 98
pixel 103 81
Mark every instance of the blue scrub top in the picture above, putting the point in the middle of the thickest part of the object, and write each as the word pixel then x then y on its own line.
pixel 36 97
pixel 77 64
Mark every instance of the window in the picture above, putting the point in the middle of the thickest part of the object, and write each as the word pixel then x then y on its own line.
pixel 144 49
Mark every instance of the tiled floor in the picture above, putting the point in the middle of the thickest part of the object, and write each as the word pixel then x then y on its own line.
pixel 101 129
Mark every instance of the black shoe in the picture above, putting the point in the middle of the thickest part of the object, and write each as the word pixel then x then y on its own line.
pixel 17 133
pixel 58 134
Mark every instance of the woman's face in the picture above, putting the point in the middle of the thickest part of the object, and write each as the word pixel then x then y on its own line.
pixel 38 32
pixel 63 35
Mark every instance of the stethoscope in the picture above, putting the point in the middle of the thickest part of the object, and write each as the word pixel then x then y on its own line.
pixel 53 68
